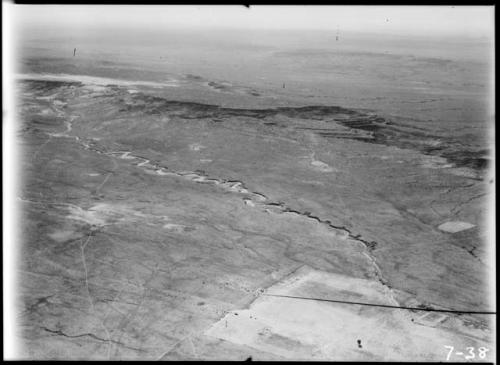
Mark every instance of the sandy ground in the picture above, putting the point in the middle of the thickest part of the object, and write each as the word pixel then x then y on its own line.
pixel 157 229
pixel 313 330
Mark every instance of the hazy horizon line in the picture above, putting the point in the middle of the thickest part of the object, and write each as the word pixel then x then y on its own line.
pixel 428 20
pixel 248 31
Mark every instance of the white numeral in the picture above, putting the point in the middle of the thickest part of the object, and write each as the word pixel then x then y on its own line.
pixel 483 351
pixel 471 352
pixel 449 353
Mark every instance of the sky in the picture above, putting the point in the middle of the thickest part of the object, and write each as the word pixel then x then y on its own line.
pixel 398 20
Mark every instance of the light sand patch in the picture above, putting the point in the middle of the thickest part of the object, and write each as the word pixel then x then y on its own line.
pixel 200 179
pixel 321 166
pixel 163 172
pixel 433 142
pixel 59 103
pixel 191 176
pixel 95 88
pixel 126 156
pixel 50 97
pixel 62 235
pixel 456 226
pixel 299 329
pixel 149 171
pixel 46 112
pixel 103 214
pixel 273 210
pixel 144 162
pixel 431 319
pixel 86 216
pixel 205 160
pixel 97 81
pixel 435 162
pixel 196 147
pixel 249 202
pixel 463 171
pixel 259 197
pixel 178 228
pixel 343 235
pixel 239 190
pixel 234 186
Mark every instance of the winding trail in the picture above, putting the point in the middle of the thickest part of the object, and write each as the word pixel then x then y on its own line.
pixel 101 321
pixel 102 184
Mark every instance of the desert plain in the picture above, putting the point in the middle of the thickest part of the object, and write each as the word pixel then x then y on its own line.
pixel 270 206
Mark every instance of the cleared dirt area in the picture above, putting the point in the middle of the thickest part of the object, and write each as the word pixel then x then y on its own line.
pixel 285 321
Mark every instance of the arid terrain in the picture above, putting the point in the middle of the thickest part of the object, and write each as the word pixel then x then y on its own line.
pixel 186 217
